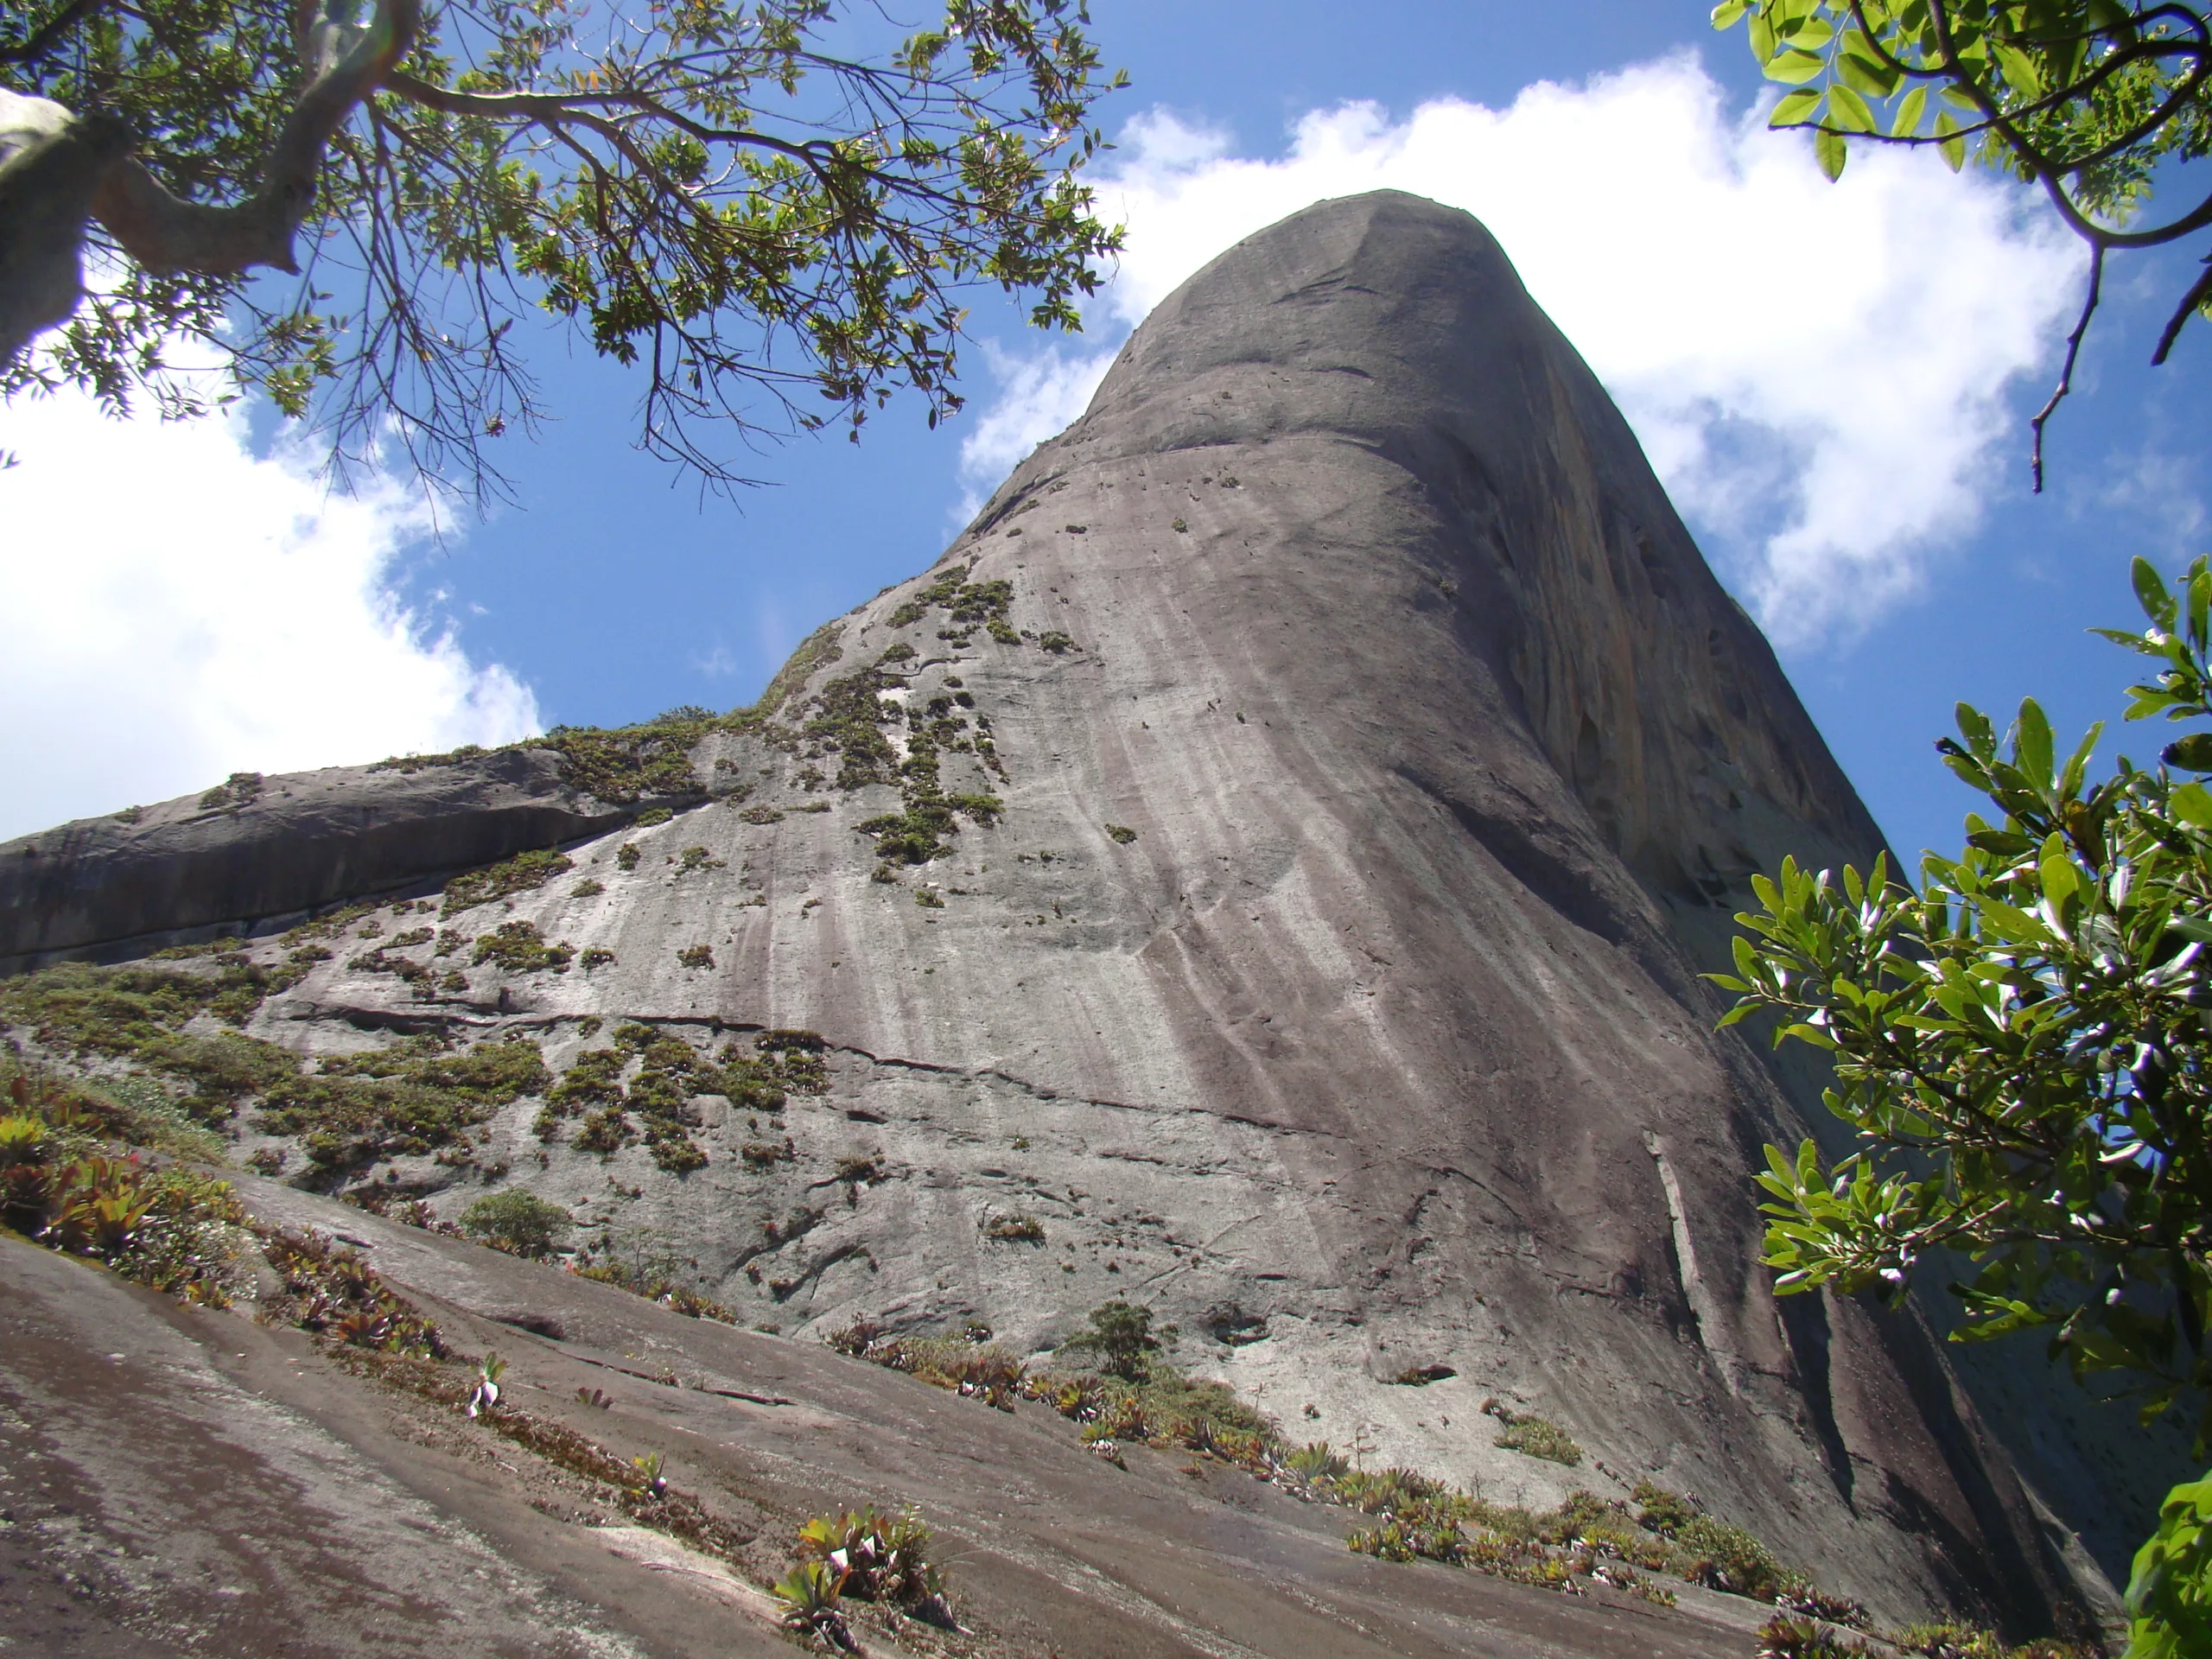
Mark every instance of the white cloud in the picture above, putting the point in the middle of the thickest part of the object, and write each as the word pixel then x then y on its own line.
pixel 1038 395
pixel 182 609
pixel 1817 372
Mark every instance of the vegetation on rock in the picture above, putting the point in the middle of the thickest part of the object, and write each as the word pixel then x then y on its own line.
pixel 1121 1334
pixel 1538 1436
pixel 523 873
pixel 517 1222
pixel 1135 1398
pixel 517 947
pixel 420 1095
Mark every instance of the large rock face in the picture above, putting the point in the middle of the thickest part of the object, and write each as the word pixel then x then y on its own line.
pixel 1379 764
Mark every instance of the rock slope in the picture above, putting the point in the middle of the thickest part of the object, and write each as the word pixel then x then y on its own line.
pixel 186 1481
pixel 1261 871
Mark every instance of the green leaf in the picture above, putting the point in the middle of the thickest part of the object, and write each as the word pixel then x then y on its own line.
pixel 2061 880
pixel 2012 925
pixel 2192 804
pixel 1807 30
pixel 1859 69
pixel 2020 72
pixel 1827 150
pixel 1791 66
pixel 2032 744
pixel 2151 592
pixel 1801 107
pixel 1953 145
pixel 1910 110
pixel 1760 36
pixel 1848 110
pixel 1728 13
pixel 2078 764
pixel 2134 642
pixel 2192 754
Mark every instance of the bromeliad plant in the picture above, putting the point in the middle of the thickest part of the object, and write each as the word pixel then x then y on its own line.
pixel 868 1556
pixel 486 1394
pixel 809 1596
pixel 64 1185
pixel 879 1558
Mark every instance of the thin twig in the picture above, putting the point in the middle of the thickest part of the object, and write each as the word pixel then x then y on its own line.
pixel 2073 351
pixel 2199 291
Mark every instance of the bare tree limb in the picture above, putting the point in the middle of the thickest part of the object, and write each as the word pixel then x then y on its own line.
pixel 2199 291
pixel 2073 351
pixel 50 167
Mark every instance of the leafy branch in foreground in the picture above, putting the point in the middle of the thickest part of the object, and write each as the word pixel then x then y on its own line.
pixel 2021 1046
pixel 775 232
pixel 2092 100
pixel 2021 1050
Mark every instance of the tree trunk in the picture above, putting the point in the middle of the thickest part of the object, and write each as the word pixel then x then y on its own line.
pixel 58 171
pixel 51 165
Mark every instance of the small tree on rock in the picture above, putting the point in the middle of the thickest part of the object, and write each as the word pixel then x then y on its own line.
pixel 517 1222
pixel 1121 1334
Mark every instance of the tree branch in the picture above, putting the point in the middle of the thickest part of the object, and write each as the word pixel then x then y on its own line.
pixel 2073 351
pixel 43 39
pixel 161 233
pixel 2199 291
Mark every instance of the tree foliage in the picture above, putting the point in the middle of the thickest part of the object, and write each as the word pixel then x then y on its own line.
pixel 773 225
pixel 1122 1335
pixel 517 1221
pixel 2023 1050
pixel 2092 100
pixel 2021 1047
pixel 2170 1590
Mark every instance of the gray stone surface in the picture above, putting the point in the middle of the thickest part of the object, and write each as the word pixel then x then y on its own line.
pixel 183 1481
pixel 1380 1044
pixel 102 887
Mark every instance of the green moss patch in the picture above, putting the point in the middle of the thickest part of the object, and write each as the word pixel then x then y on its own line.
pixel 523 873
pixel 645 1085
pixel 518 948
pixel 1536 1437
pixel 971 604
pixel 418 1096
pixel 239 788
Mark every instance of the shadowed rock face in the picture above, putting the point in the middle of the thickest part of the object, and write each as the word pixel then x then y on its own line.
pixel 1378 1047
pixel 274 848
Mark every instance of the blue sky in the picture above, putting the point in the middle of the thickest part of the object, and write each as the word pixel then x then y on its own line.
pixel 1875 519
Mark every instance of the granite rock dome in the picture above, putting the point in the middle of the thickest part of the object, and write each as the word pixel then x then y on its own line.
pixel 1273 850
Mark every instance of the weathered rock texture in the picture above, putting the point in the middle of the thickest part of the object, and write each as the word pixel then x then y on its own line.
pixel 1379 1045
pixel 183 1481
pixel 259 850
